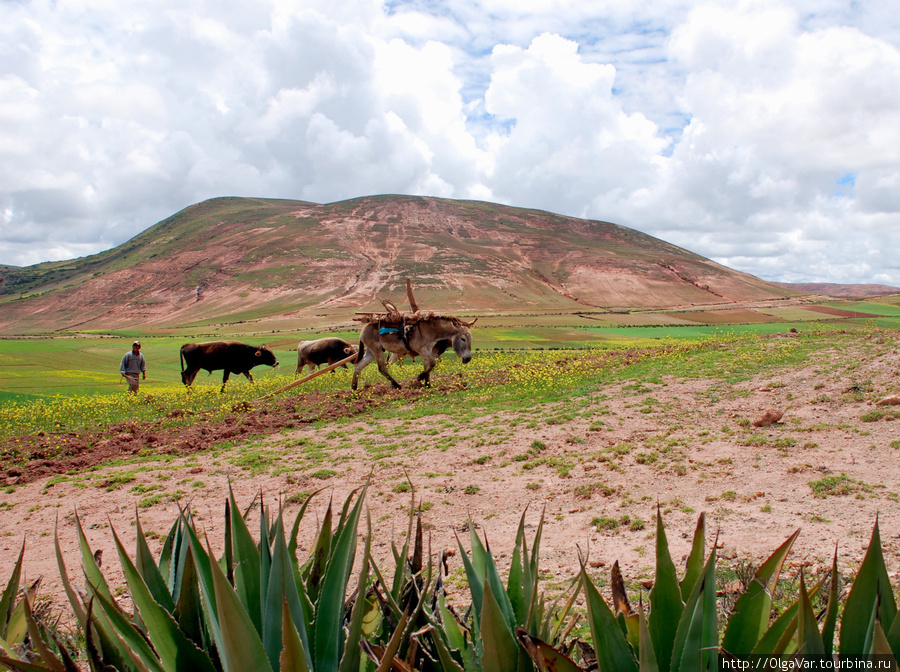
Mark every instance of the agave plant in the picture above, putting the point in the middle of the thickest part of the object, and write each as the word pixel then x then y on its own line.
pixel 681 631
pixel 256 607
pixel 25 637
pixel 253 608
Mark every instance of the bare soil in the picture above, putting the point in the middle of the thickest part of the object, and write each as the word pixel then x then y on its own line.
pixel 684 445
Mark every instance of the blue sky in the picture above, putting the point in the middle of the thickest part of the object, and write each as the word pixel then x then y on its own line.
pixel 762 134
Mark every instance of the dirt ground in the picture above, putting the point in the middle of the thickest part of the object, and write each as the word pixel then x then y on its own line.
pixel 689 446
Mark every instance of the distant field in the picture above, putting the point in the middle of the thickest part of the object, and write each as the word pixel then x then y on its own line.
pixel 723 316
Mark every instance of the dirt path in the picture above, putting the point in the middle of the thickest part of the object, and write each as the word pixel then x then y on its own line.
pixel 688 445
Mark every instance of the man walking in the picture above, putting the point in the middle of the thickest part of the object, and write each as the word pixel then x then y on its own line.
pixel 133 366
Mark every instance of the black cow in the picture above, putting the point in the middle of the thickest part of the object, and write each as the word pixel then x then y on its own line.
pixel 323 351
pixel 231 356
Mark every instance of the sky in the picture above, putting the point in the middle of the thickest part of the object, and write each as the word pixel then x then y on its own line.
pixel 763 134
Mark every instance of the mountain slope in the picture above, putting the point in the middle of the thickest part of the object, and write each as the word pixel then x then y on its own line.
pixel 232 259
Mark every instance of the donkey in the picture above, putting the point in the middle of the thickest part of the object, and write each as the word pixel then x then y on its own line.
pixel 427 338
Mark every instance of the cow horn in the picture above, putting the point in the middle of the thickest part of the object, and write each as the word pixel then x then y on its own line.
pixel 468 324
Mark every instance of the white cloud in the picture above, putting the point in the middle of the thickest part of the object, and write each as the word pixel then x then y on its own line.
pixel 761 133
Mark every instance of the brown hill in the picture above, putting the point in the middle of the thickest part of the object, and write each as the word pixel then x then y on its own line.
pixel 234 259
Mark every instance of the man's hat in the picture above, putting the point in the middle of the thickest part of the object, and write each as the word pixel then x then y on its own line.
pixel 137 343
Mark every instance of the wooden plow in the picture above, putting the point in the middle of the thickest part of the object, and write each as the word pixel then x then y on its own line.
pixel 331 367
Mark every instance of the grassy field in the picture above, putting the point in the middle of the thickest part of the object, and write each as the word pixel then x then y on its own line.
pixel 43 368
pixel 74 399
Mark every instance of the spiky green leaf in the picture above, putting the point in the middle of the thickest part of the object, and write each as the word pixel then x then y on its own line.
pixel 246 565
pixel 8 599
pixel 871 587
pixel 176 652
pixel 750 617
pixel 666 604
pixel 327 641
pixel 500 652
pixel 694 565
pixel 610 646
pixel 240 648
pixel 696 641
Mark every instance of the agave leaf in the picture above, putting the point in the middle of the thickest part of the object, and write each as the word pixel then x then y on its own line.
pixel 751 613
pixel 394 607
pixel 240 646
pixel 545 657
pixel 203 566
pixel 265 559
pixel 777 639
pixel 553 633
pixel 500 653
pixel 694 565
pixel 18 622
pixel 893 637
pixel 400 568
pixel 830 623
pixel 165 555
pixel 327 642
pixel 91 570
pixel 476 583
pixel 181 551
pixel 128 641
pixel 17 665
pixel 809 639
pixel 7 601
pixel 696 641
pixel 319 559
pixel 74 600
pixel 189 610
pixel 880 645
pixel 246 565
pixel 871 587
pixel 624 613
pixel 37 641
pixel 295 529
pixel 647 659
pixel 515 585
pixel 175 650
pixel 350 661
pixel 294 657
pixel 18 627
pixel 143 560
pixel 385 657
pixel 666 604
pixel 283 589
pixel 610 646
pixel 6 649
pixel 444 658
pixel 492 577
pixel 480 570
pixel 452 631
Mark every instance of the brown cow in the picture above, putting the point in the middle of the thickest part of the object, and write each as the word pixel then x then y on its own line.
pixel 231 356
pixel 323 351
pixel 425 338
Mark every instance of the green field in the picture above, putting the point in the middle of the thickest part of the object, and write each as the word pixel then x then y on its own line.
pixel 502 380
pixel 35 368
